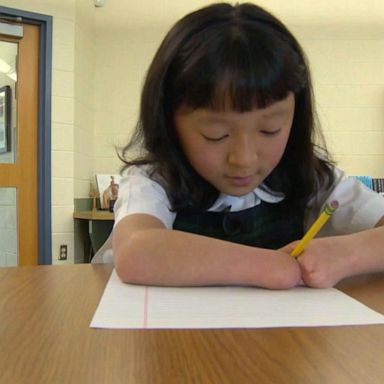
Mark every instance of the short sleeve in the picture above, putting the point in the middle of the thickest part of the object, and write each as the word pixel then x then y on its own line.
pixel 139 193
pixel 360 208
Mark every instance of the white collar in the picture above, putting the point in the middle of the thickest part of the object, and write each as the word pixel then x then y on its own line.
pixel 251 199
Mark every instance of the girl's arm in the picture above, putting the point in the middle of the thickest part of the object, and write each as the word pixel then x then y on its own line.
pixel 145 252
pixel 327 260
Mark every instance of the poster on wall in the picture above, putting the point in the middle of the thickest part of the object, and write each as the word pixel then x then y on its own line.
pixel 108 189
pixel 5 118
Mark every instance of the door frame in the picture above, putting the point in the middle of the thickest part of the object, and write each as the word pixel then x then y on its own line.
pixel 43 129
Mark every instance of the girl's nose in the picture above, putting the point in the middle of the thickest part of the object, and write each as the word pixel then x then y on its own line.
pixel 242 153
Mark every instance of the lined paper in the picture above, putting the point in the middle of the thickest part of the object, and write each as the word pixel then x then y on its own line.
pixel 140 307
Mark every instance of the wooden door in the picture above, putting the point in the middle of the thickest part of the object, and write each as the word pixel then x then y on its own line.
pixel 20 173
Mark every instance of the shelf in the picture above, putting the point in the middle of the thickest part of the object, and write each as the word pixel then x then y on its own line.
pixel 94 215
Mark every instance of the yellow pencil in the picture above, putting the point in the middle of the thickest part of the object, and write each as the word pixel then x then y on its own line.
pixel 315 227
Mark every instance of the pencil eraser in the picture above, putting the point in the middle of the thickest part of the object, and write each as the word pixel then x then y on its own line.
pixel 334 204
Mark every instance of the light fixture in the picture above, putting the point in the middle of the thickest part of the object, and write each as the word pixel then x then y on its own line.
pixel 4 66
pixel 7 70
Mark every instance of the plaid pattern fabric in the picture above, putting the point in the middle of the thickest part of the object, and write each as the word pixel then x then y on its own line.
pixel 265 225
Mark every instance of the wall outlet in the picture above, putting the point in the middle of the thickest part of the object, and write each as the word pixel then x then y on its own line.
pixel 63 252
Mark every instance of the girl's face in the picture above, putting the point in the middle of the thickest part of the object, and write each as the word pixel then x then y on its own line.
pixel 235 151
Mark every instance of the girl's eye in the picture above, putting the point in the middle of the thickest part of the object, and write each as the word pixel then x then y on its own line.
pixel 215 139
pixel 270 133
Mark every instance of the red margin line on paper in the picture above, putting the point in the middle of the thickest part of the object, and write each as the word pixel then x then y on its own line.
pixel 145 324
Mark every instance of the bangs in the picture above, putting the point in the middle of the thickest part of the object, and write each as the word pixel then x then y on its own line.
pixel 237 69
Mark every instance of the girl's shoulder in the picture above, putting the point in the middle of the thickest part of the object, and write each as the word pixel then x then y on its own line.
pixel 142 179
pixel 141 174
pixel 141 192
pixel 343 187
pixel 144 171
pixel 324 190
pixel 360 207
pixel 343 183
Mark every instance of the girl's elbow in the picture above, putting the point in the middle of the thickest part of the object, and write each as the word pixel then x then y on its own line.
pixel 124 270
pixel 126 261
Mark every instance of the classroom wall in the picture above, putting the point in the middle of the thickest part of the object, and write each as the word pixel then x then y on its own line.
pixel 100 56
pixel 73 83
pixel 344 41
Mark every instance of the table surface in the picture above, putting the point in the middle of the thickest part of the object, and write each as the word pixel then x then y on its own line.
pixel 45 312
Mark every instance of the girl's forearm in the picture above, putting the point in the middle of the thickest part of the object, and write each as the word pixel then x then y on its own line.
pixel 368 251
pixel 169 257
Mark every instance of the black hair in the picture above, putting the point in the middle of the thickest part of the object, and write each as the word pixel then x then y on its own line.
pixel 222 57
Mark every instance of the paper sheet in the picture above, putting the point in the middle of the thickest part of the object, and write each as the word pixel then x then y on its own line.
pixel 133 306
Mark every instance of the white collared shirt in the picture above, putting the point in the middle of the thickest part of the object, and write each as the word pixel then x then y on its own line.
pixel 359 207
pixel 251 199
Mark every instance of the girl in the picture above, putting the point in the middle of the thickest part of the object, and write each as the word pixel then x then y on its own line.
pixel 229 177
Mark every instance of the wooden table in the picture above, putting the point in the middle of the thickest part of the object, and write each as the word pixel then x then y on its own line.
pixel 45 337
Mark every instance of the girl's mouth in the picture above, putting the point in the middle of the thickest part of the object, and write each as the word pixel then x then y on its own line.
pixel 240 181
